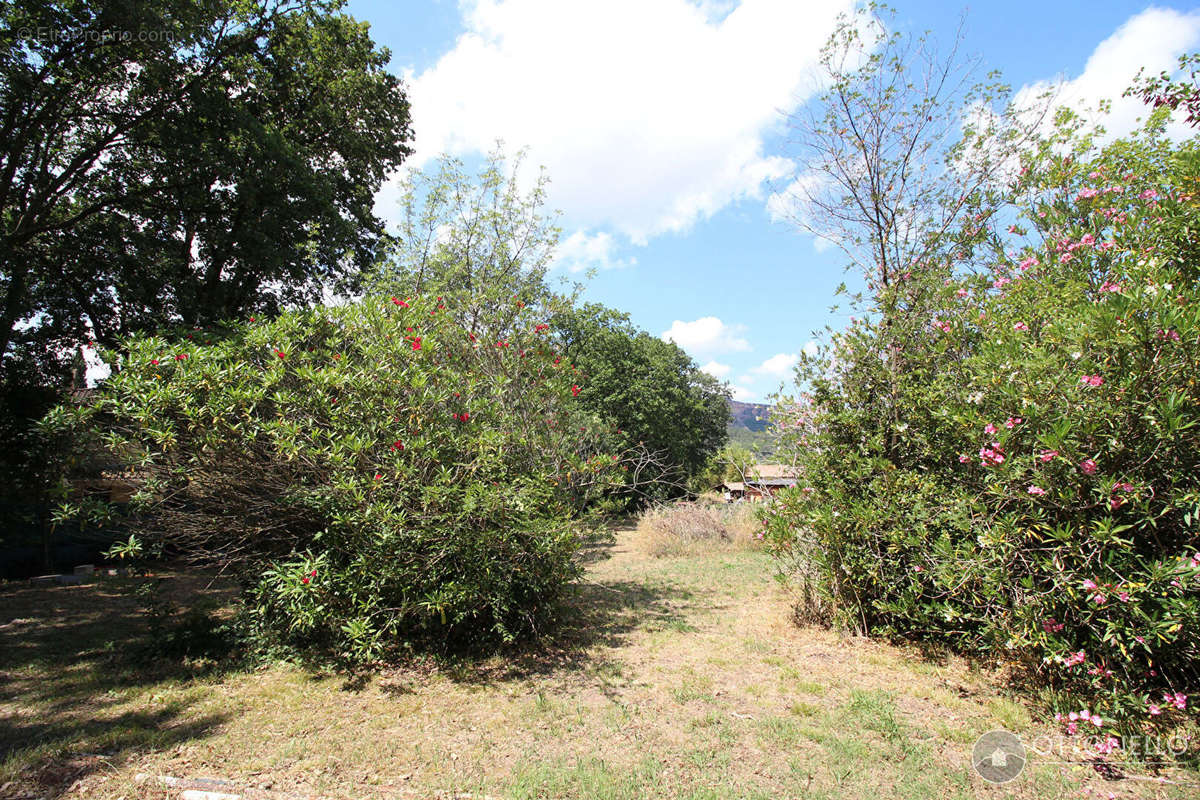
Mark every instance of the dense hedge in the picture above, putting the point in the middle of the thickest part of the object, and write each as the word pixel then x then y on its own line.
pixel 377 474
pixel 1011 466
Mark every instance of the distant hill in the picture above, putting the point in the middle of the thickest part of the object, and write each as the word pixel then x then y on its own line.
pixel 748 426
pixel 751 416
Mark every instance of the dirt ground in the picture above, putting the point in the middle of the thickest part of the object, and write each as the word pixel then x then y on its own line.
pixel 669 677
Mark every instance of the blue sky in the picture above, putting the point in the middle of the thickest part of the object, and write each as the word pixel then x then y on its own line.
pixel 662 126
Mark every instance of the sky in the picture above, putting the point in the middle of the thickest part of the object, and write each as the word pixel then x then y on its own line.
pixel 662 125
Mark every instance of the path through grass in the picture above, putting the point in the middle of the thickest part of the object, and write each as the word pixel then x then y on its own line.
pixel 672 677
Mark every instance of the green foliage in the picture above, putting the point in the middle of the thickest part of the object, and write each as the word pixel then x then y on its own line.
pixel 1006 461
pixel 175 162
pixel 377 475
pixel 651 391
pixel 482 243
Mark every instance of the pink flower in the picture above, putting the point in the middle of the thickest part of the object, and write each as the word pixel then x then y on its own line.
pixel 964 458
pixel 1087 240
pixel 1072 728
pixel 1027 263
pixel 1089 584
pixel 1047 455
pixel 992 456
pixel 1116 503
pixel 1075 658
pixel 1001 282
pixel 1012 422
pixel 1037 491
pixel 1179 701
pixel 1149 194
pixel 1020 326
pixel 962 293
pixel 989 428
pixel 1088 466
pixel 1092 380
pixel 1154 710
pixel 1087 194
pixel 1051 625
pixel 1109 286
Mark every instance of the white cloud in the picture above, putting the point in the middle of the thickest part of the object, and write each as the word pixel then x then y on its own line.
pixel 582 250
pixel 777 365
pixel 811 348
pixel 648 114
pixel 707 335
pixel 718 371
pixel 743 395
pixel 1153 39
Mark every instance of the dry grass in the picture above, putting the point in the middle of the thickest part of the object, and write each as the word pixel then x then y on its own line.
pixel 674 678
pixel 688 529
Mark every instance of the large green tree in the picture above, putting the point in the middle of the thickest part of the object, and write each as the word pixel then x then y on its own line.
pixel 183 162
pixel 651 390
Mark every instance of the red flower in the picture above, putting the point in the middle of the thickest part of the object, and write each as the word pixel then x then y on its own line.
pixel 397 445
pixel 154 361
pixel 465 416
pixel 281 354
pixel 304 579
pixel 416 343
pixel 252 319
pixel 501 343
pixel 397 301
pixel 181 357
pixel 575 391
pixel 471 336
pixel 541 326
pixel 378 477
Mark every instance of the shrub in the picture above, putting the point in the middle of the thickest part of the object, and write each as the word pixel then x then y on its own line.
pixel 689 528
pixel 1012 466
pixel 377 474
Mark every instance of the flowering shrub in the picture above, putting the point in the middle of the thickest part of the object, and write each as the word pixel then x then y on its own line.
pixel 1011 465
pixel 376 473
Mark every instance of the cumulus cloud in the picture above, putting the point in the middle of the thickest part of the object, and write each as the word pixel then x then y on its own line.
pixel 648 114
pixel 743 395
pixel 1153 39
pixel 707 335
pixel 582 250
pixel 811 348
pixel 717 370
pixel 777 365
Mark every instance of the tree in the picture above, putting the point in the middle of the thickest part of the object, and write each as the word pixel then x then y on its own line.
pixel 649 389
pixel 902 156
pixel 481 239
pixel 482 243
pixel 185 163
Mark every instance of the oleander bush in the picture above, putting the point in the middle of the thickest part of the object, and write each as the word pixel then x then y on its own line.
pixel 1011 463
pixel 377 475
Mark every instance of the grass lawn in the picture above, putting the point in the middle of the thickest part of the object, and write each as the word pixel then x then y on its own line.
pixel 671 677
